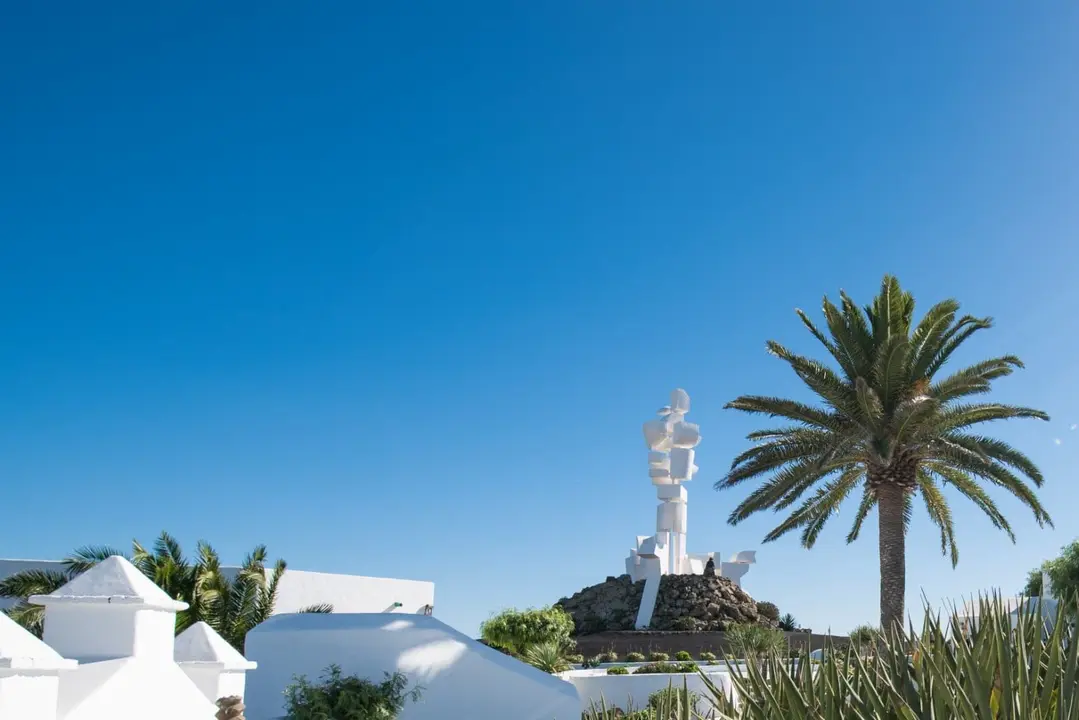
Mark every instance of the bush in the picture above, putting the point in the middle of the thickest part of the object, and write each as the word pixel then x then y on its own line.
pixel 673 698
pixel 617 670
pixel 684 623
pixel 517 630
pixel 575 659
pixel 683 656
pixel 755 640
pixel 634 657
pixel 864 635
pixel 768 610
pixel 609 656
pixel 659 657
pixel 788 622
pixel 708 656
pixel 661 668
pixel 340 697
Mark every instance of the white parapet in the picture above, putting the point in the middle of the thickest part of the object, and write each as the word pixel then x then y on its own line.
pixel 217 669
pixel 30 674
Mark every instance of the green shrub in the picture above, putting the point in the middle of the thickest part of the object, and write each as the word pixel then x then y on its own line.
pixel 517 630
pixel 659 657
pixel 634 657
pixel 547 657
pixel 708 656
pixel 755 640
pixel 864 635
pixel 672 698
pixel 609 656
pixel 683 656
pixel 788 622
pixel 684 623
pixel 591 662
pixel 768 610
pixel 340 697
pixel 575 659
pixel 660 668
pixel 617 670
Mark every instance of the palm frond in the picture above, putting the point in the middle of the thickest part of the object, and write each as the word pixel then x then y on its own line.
pixel 87 556
pixel 941 515
pixel 781 407
pixel 317 609
pixel 25 583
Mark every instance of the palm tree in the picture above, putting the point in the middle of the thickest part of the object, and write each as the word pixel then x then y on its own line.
pixel 885 424
pixel 231 603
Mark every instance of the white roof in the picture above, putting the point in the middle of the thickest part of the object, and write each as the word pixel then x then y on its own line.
pixel 131 689
pixel 201 645
pixel 114 581
pixel 20 650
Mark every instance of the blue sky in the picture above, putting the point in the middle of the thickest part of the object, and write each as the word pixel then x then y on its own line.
pixel 391 286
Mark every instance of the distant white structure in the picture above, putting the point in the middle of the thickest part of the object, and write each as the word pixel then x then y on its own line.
pixel 301 588
pixel 460 677
pixel 671 459
pixel 109 654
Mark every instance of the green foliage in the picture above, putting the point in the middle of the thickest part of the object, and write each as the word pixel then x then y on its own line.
pixel 547 657
pixel 673 699
pixel 608 656
pixel 683 656
pixel 755 640
pixel 658 657
pixel 575 659
pixel 340 697
pixel 707 656
pixel 768 610
pixel 864 635
pixel 995 672
pixel 887 428
pixel 517 630
pixel 230 604
pixel 684 623
pixel 1063 572
pixel 660 668
pixel 618 670
pixel 591 662
pixel 634 657
pixel 788 623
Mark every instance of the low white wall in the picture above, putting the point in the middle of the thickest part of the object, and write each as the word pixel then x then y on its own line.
pixel 626 691
pixel 352 593
pixel 461 678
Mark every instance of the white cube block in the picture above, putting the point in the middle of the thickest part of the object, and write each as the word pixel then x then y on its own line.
pixel 672 492
pixel 682 464
pixel 685 435
pixel 655 435
pixel 679 401
pixel 671 516
pixel 660 476
pixel 658 459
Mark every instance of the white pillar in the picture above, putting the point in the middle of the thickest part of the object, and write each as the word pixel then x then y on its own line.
pixel 216 668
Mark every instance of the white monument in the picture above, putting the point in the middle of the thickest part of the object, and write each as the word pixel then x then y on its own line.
pixel 671 442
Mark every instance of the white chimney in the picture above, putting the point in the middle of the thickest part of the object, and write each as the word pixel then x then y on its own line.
pixel 110 611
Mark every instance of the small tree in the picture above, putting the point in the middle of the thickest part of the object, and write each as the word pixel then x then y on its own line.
pixel 1063 572
pixel 341 697
pixel 518 630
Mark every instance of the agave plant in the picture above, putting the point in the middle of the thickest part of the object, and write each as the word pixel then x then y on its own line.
pixel 547 656
pixel 1008 667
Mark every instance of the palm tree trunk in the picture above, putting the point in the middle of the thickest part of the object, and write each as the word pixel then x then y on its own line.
pixel 893 555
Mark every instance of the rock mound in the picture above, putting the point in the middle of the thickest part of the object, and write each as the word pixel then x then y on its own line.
pixel 685 602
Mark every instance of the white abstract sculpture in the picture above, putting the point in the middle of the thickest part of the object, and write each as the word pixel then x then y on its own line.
pixel 671 442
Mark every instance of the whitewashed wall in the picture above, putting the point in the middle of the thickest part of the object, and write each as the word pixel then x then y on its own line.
pixel 461 677
pixel 300 588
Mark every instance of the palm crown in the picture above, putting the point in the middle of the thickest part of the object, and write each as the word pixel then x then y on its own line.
pixel 886 425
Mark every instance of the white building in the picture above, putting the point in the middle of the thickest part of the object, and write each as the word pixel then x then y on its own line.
pixel 301 588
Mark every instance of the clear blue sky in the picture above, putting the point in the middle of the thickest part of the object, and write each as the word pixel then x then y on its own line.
pixel 391 286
